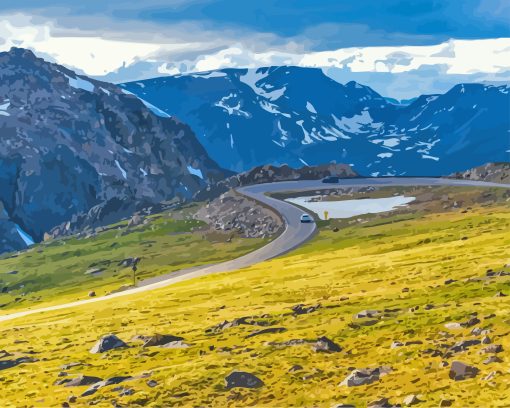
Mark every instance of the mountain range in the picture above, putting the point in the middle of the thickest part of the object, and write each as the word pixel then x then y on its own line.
pixel 292 115
pixel 75 147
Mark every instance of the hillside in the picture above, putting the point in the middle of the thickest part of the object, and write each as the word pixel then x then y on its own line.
pixel 291 115
pixel 72 145
pixel 493 172
pixel 385 307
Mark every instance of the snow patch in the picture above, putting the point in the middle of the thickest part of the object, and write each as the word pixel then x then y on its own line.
pixel 385 155
pixel 24 236
pixel 79 83
pixel 310 108
pixel 195 172
pixel 124 174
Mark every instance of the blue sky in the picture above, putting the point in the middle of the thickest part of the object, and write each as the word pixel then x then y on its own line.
pixel 125 40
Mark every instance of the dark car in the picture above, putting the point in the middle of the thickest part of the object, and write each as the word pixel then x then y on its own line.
pixel 331 179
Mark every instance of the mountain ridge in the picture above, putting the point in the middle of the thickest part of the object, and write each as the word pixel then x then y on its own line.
pixel 294 115
pixel 71 143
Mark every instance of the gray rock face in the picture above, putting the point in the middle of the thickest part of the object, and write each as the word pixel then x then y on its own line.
pixel 106 343
pixel 243 380
pixel 79 150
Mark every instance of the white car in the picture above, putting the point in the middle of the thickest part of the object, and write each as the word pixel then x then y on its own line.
pixel 306 218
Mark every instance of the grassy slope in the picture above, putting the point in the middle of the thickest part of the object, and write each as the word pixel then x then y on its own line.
pixel 55 272
pixel 369 263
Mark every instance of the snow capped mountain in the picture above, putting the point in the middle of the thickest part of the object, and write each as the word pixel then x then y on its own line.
pixel 248 117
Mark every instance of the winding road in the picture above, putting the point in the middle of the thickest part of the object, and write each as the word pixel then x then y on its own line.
pixel 295 233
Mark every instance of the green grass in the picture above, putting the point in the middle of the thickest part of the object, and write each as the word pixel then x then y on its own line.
pixel 55 271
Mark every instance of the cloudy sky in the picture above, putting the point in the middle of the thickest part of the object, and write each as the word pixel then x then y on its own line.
pixel 400 48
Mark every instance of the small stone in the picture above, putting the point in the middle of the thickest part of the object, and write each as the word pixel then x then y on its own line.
pixel 152 383
pixel 72 399
pixel 445 403
pixel 92 293
pixel 82 380
pixel 486 340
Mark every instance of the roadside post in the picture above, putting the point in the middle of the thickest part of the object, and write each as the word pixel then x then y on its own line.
pixel 326 215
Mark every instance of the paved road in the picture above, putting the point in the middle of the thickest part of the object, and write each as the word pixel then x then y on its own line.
pixel 295 232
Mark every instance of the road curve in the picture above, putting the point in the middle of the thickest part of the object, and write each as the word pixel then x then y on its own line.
pixel 295 232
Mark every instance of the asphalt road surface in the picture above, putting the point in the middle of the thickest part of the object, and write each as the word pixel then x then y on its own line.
pixel 295 233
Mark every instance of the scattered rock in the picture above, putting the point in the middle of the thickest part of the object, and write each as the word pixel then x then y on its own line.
pixel 176 345
pixel 114 380
pixel 82 380
pixel 92 293
pixel 500 294
pixel 94 271
pixel 396 344
pixel 158 339
pixel 490 376
pixel 242 379
pixel 461 371
pixel 453 325
pixel 237 322
pixel 471 322
pixel 325 345
pixel 486 340
pixel 380 403
pixel 302 309
pixel 463 345
pixel 295 368
pixel 152 383
pixel 364 314
pixel 4 364
pixel 492 359
pixel 106 343
pixel 493 349
pixel 364 376
pixel 135 220
pixel 445 403
pixel 411 400
pixel 72 399
pixel 266 331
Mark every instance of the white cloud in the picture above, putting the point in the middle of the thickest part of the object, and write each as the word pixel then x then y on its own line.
pixel 129 53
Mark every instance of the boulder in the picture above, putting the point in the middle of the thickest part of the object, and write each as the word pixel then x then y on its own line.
pixel 176 345
pixel 325 345
pixel 411 400
pixel 242 379
pixel 92 293
pixel 461 371
pixel 367 314
pixel 82 380
pixel 302 309
pixel 364 376
pixel 493 349
pixel 158 339
pixel 106 343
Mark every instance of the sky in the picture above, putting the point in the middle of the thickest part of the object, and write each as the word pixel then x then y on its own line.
pixel 400 48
